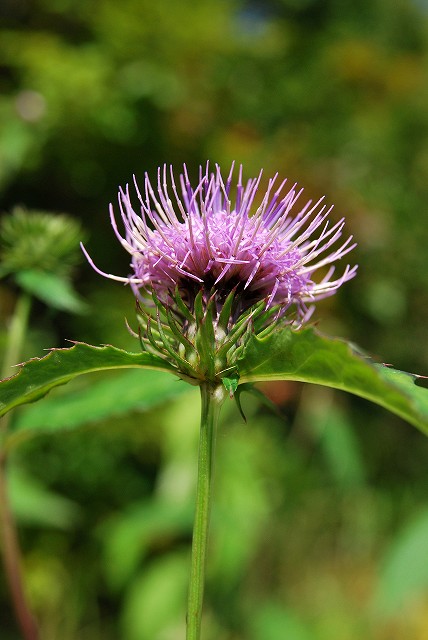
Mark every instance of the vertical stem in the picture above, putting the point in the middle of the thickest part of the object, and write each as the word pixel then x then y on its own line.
pixel 211 400
pixel 12 561
pixel 8 533
pixel 16 334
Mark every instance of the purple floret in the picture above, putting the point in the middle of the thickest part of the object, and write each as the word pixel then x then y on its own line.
pixel 203 239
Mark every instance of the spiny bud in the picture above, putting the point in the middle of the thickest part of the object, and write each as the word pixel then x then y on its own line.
pixel 210 270
pixel 39 240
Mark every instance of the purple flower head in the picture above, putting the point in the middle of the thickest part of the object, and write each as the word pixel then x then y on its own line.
pixel 211 270
pixel 194 239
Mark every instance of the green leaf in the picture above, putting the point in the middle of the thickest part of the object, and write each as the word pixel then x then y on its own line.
pixel 230 384
pixel 154 604
pixel 270 621
pixel 128 391
pixel 36 505
pixel 52 289
pixel 337 441
pixel 40 375
pixel 128 536
pixel 307 356
pixel 403 576
pixel 302 355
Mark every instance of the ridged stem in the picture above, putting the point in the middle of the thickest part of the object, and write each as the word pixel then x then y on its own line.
pixel 211 400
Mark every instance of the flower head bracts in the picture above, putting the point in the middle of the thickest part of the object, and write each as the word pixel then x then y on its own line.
pixel 199 246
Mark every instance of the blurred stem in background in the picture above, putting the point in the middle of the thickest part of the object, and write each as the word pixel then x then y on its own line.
pixel 212 397
pixel 16 334
pixel 38 251
pixel 9 537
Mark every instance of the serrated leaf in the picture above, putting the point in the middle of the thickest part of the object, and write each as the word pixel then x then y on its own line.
pixel 302 355
pixel 39 375
pixel 307 356
pixel 52 289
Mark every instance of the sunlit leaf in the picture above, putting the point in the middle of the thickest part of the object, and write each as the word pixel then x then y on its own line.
pixel 231 385
pixel 40 375
pixel 154 604
pixel 301 355
pixel 272 621
pixel 307 356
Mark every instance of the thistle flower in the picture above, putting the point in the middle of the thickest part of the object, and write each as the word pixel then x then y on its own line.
pixel 205 259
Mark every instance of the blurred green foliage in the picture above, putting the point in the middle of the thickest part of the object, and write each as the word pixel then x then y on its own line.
pixel 320 517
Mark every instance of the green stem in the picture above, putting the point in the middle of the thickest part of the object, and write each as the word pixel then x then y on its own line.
pixel 211 400
pixel 8 533
pixel 16 334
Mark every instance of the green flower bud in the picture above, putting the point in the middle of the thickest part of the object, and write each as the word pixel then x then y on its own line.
pixel 38 240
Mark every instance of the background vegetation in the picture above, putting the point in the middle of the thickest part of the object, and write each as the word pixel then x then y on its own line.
pixel 320 529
